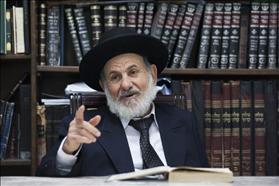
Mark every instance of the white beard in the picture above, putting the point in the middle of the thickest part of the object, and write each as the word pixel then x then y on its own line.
pixel 134 108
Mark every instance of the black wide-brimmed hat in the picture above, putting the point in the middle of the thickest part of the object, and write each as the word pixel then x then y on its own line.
pixel 119 41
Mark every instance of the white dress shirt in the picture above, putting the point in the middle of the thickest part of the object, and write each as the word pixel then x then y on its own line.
pixel 65 161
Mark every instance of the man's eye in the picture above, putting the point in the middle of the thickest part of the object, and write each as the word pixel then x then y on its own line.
pixel 114 78
pixel 133 72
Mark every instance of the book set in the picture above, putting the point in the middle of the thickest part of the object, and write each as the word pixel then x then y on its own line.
pixel 223 29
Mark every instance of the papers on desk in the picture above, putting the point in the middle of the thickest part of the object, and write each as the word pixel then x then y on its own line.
pixel 79 88
pixel 180 174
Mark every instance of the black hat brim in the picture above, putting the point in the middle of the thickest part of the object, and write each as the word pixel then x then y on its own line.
pixel 147 46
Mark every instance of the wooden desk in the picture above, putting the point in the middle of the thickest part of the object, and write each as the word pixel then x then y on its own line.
pixel 100 181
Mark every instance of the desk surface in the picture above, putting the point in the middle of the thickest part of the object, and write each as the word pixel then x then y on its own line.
pixel 100 181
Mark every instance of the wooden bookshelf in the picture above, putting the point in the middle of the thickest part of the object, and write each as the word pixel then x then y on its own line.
pixel 44 76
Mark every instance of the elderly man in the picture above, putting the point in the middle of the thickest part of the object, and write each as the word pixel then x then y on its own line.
pixel 130 132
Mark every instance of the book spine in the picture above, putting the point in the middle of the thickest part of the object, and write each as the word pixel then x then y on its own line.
pixel 159 21
pixel 175 31
pixel 216 36
pixel 132 11
pixel 171 15
pixel 41 133
pixel 254 35
pixel 235 119
pixel 26 22
pixel 234 36
pixel 3 27
pixel 227 128
pixel 263 35
pixel 25 121
pixel 82 30
pixel 73 32
pixel 122 16
pixel 187 91
pixel 61 33
pixel 191 37
pixel 96 23
pixel 205 36
pixel 42 34
pixel 244 27
pixel 8 32
pixel 272 36
pixel 148 18
pixel 246 125
pixel 259 129
pixel 207 119
pixel 110 17
pixel 227 21
pixel 217 124
pixel 19 30
pixel 271 113
pixel 198 107
pixel 140 21
pixel 6 128
pixel 53 36
pixel 183 35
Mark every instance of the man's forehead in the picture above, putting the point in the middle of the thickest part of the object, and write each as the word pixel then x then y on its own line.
pixel 124 61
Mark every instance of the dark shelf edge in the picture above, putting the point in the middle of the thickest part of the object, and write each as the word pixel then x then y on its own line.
pixel 15 162
pixel 182 72
pixel 15 57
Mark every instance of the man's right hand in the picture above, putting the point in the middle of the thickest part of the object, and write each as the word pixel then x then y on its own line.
pixel 81 131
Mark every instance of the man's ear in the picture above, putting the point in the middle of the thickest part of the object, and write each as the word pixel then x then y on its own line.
pixel 101 84
pixel 154 73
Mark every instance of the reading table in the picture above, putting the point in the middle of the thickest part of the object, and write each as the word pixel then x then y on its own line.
pixel 101 181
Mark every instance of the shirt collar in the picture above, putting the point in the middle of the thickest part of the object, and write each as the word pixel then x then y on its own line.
pixel 125 122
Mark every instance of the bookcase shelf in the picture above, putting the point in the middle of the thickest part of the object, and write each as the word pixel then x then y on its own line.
pixel 13 57
pixel 49 79
pixel 15 162
pixel 260 73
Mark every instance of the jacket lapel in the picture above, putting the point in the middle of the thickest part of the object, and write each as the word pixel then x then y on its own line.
pixel 173 137
pixel 114 141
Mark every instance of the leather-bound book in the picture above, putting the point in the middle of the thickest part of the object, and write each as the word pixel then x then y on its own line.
pixel 216 36
pixel 205 36
pixel 263 35
pixel 246 126
pixel 254 35
pixel 82 30
pixel 273 36
pixel 132 13
pixel 217 124
pixel 259 128
pixel 234 36
pixel 159 20
pixel 140 21
pixel 227 124
pixel 175 31
pixel 96 23
pixel 183 35
pixel 149 12
pixel 73 33
pixel 235 122
pixel 110 17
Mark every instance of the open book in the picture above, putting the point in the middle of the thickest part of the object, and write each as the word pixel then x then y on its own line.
pixel 179 174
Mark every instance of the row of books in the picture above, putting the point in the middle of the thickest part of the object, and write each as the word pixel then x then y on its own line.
pixel 238 121
pixel 6 118
pixel 239 36
pixel 169 22
pixel 15 125
pixel 226 39
pixel 15 31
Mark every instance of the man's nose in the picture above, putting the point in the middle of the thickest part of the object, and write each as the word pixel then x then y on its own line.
pixel 126 83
